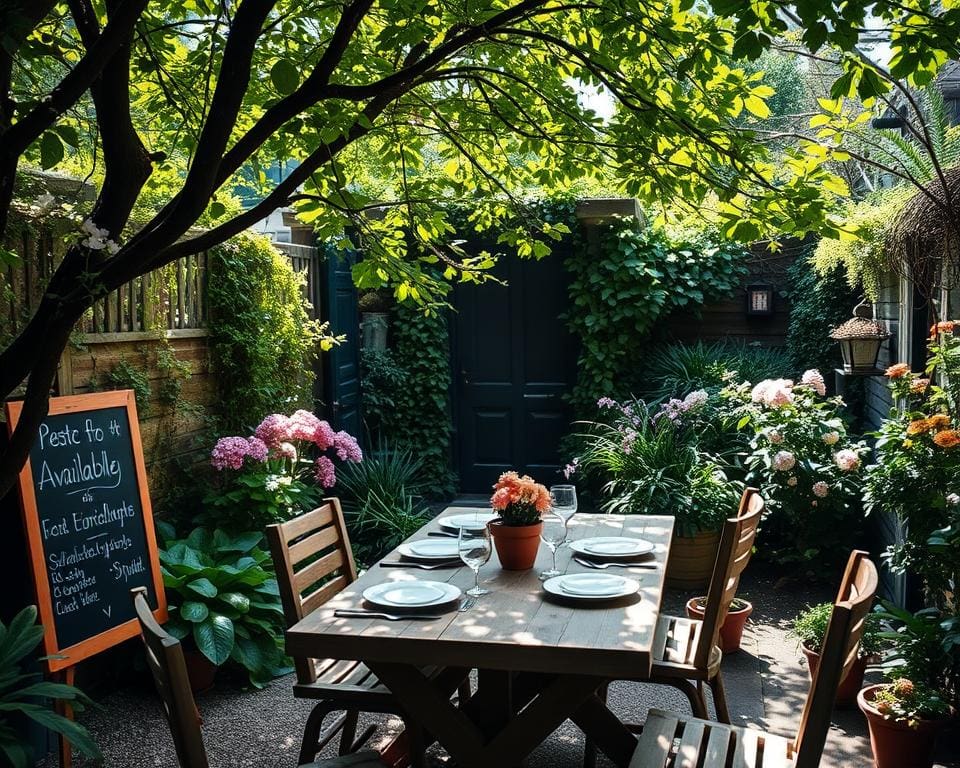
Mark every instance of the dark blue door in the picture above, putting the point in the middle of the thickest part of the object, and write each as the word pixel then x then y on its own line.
pixel 341 366
pixel 515 362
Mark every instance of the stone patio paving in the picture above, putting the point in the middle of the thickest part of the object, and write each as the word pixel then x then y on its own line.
pixel 766 686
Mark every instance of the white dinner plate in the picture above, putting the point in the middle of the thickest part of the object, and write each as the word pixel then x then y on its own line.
pixel 411 594
pixel 612 547
pixel 591 586
pixel 470 520
pixel 430 549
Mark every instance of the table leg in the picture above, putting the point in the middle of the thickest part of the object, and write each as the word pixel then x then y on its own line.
pixel 461 736
pixel 605 730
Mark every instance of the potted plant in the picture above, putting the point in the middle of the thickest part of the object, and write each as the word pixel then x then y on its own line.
pixel 810 628
pixel 518 501
pixel 374 309
pixel 224 604
pixel 731 631
pixel 651 462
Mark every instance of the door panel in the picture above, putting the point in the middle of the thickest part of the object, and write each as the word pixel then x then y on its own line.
pixel 515 361
pixel 342 369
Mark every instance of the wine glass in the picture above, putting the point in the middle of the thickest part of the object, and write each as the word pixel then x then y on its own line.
pixel 563 500
pixel 474 546
pixel 553 534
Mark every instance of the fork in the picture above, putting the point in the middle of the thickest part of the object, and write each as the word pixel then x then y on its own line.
pixel 467 604
pixel 602 566
pixel 421 566
pixel 350 614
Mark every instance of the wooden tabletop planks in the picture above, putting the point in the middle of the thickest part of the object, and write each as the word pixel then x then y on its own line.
pixel 514 627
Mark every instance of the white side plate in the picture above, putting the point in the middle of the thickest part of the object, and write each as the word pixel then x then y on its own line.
pixel 411 594
pixel 591 586
pixel 471 520
pixel 612 547
pixel 430 549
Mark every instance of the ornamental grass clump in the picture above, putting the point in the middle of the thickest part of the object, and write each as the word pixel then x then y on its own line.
pixel 279 471
pixel 807 467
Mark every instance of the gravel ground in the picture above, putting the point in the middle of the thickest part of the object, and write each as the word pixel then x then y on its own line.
pixel 766 685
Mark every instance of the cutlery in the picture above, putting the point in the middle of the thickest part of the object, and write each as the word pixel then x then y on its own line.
pixel 444 534
pixel 421 566
pixel 349 614
pixel 601 566
pixel 467 604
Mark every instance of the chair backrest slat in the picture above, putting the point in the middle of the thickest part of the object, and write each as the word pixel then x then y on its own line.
pixel 837 656
pixel 313 561
pixel 165 660
pixel 733 555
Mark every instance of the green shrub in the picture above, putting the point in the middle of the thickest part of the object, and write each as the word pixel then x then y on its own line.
pixel 262 340
pixel 382 501
pixel 618 294
pixel 810 628
pixel 223 597
pixel 27 695
pixel 652 464
pixel 675 370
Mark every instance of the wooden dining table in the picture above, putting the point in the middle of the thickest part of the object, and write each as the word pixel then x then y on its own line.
pixel 540 659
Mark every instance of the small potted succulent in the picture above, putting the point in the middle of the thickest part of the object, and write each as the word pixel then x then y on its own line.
pixel 810 628
pixel 519 502
pixel 731 631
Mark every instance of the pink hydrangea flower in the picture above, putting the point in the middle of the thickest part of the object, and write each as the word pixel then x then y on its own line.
pixel 325 472
pixel 323 435
pixel 302 425
pixel 229 453
pixel 347 447
pixel 792 481
pixel 774 393
pixel 273 430
pixel 821 489
pixel 257 449
pixel 774 436
pixel 287 450
pixel 784 461
pixel 814 379
pixel 846 459
pixel 831 438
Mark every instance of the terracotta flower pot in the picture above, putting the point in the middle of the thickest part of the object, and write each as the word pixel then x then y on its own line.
pixel 852 683
pixel 895 743
pixel 731 632
pixel 691 560
pixel 200 670
pixel 517 545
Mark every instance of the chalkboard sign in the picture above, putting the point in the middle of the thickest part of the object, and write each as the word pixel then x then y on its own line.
pixel 89 525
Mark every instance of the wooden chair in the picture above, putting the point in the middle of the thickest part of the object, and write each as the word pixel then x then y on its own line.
pixel 687 651
pixel 165 660
pixel 671 741
pixel 313 562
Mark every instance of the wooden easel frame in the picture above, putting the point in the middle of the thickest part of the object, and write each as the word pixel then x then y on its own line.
pixel 61 661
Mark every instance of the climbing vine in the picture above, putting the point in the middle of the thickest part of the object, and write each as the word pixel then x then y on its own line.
pixel 262 339
pixel 407 393
pixel 620 290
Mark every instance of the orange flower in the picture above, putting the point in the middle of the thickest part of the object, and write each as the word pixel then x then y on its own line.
pixel 897 371
pixel 946 326
pixel 511 488
pixel 939 421
pixel 919 386
pixel 918 427
pixel 949 438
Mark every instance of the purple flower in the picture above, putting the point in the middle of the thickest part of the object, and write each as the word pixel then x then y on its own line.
pixel 571 468
pixel 229 453
pixel 347 447
pixel 257 449
pixel 606 402
pixel 323 435
pixel 273 430
pixel 325 472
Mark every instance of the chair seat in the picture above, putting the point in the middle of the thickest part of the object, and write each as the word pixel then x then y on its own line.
pixel 366 759
pixel 673 741
pixel 675 646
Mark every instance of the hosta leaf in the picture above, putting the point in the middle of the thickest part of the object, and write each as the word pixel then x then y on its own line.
pixel 214 638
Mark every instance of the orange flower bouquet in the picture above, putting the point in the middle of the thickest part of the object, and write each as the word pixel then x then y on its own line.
pixel 519 501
